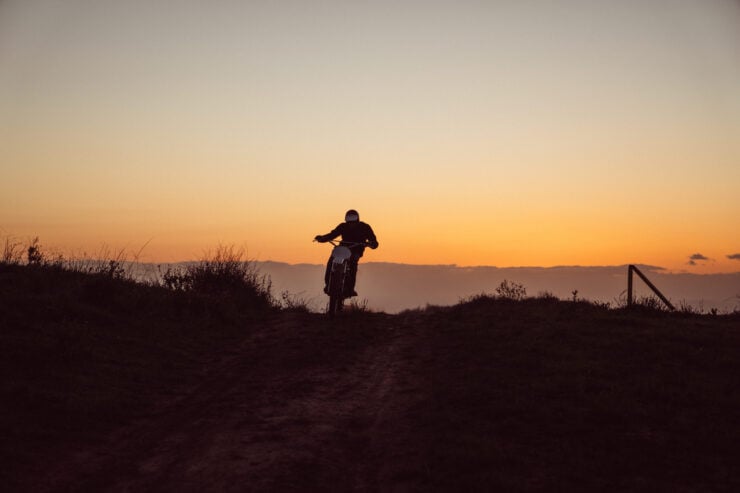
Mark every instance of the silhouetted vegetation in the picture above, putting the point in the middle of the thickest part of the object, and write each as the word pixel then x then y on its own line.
pixel 501 392
pixel 548 395
pixel 225 276
pixel 83 346
pixel 294 302
pixel 511 290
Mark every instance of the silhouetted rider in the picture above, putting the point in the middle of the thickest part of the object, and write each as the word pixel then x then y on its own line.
pixel 352 230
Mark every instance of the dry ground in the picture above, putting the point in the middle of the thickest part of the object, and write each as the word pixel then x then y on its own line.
pixel 300 405
pixel 113 386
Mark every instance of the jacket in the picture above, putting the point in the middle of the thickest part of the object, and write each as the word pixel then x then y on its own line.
pixel 352 232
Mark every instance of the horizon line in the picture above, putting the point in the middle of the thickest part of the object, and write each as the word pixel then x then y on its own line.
pixel 653 268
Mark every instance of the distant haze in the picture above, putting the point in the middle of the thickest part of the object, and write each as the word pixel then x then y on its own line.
pixel 395 287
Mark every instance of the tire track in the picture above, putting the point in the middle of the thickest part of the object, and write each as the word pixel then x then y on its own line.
pixel 268 418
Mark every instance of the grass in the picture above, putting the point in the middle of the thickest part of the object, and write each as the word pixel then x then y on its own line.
pixel 510 393
pixel 84 347
pixel 551 395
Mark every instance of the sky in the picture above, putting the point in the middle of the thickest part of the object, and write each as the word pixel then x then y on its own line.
pixel 506 133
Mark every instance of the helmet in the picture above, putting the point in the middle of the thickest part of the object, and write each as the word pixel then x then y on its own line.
pixel 352 216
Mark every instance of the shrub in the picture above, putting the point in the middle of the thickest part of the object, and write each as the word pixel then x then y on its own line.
pixel 224 274
pixel 33 253
pixel 511 291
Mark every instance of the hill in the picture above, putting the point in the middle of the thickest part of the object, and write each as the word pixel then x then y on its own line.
pixel 396 287
pixel 113 385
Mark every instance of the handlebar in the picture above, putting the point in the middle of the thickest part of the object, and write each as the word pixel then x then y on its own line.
pixel 348 244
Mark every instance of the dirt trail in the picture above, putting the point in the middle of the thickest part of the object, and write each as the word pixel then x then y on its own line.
pixel 295 407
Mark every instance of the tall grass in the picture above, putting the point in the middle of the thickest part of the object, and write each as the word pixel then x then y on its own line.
pixel 113 264
pixel 221 277
pixel 85 345
pixel 17 252
pixel 224 274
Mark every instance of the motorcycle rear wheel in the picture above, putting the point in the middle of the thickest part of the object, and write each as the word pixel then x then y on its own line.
pixel 336 289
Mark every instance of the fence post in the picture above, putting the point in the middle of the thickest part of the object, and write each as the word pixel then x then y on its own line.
pixel 629 284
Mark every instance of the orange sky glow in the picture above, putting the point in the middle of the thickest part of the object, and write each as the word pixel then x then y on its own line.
pixel 471 133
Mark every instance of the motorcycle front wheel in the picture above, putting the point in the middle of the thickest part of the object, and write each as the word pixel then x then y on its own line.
pixel 335 305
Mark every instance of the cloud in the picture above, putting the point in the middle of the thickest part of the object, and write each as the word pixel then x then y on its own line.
pixel 697 257
pixel 734 256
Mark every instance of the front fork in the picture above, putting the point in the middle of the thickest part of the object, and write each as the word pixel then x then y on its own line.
pixel 338 278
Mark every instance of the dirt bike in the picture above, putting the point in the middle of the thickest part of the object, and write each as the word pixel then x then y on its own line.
pixel 340 258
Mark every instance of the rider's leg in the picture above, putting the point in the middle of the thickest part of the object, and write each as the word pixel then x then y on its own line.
pixel 352 276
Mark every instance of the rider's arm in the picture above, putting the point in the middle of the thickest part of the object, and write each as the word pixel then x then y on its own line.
pixel 331 235
pixel 371 239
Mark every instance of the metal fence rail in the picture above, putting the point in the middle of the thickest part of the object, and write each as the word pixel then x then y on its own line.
pixel 632 269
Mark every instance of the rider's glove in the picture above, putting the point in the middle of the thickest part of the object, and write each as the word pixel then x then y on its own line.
pixel 373 245
pixel 319 239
